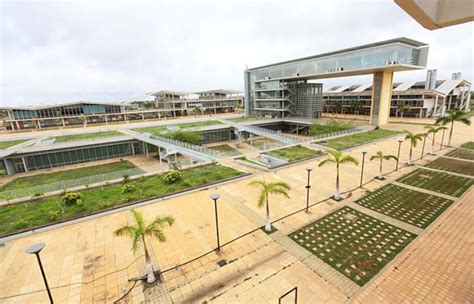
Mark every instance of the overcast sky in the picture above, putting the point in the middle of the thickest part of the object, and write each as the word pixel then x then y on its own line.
pixel 66 51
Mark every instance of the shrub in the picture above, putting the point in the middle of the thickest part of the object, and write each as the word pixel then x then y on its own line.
pixel 3 172
pixel 37 195
pixel 127 188
pixel 54 215
pixel 171 176
pixel 22 223
pixel 126 178
pixel 190 137
pixel 72 198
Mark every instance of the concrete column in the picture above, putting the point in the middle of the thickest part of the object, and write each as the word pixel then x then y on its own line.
pixel 143 116
pixel 12 125
pixel 106 120
pixel 17 125
pixel 381 97
pixel 24 164
pixel 435 106
pixel 64 123
pixel 39 124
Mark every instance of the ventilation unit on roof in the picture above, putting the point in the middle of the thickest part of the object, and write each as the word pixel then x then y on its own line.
pixel 456 76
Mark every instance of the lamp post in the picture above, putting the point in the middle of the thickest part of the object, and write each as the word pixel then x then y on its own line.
pixel 362 170
pixel 423 147
pixel 308 186
pixel 35 249
pixel 398 153
pixel 215 197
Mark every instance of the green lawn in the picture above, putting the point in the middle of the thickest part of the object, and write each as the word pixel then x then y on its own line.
pixel 225 149
pixel 245 159
pixel 245 119
pixel 353 243
pixel 349 141
pixel 11 143
pixel 413 207
pixel 438 181
pixel 74 137
pixel 453 165
pixel 59 176
pixel 159 129
pixel 295 153
pixel 46 210
pixel 263 143
pixel 461 153
pixel 330 127
pixel 468 145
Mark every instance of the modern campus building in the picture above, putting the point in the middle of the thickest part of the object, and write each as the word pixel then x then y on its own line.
pixel 282 89
pixel 213 101
pixel 429 98
pixel 168 104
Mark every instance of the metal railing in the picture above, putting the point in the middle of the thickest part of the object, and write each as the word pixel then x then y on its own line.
pixel 67 184
pixel 188 146
pixel 272 133
pixel 343 132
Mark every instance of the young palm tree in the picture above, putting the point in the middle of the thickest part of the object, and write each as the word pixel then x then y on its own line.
pixel 336 157
pixel 451 117
pixel 267 188
pixel 381 157
pixel 140 230
pixel 413 138
pixel 401 108
pixel 433 130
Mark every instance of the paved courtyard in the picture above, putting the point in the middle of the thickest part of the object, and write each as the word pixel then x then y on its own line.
pixel 85 263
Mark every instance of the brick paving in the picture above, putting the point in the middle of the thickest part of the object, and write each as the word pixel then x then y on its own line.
pixel 437 268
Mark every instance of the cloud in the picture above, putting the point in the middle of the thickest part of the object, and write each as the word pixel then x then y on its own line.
pixel 103 50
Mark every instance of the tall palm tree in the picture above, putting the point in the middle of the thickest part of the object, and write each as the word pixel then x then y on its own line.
pixel 336 157
pixel 267 188
pixel 413 138
pixel 433 130
pixel 451 117
pixel 381 157
pixel 140 230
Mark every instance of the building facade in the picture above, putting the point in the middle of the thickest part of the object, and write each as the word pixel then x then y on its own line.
pixel 423 99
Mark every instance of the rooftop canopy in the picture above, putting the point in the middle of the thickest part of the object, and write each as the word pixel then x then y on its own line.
pixel 218 91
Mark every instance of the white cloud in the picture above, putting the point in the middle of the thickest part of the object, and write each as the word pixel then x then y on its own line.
pixel 111 50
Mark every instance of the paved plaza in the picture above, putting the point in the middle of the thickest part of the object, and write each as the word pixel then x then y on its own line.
pixel 85 263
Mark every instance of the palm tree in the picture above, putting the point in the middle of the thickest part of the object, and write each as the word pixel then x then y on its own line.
pixel 381 157
pixel 433 130
pixel 336 157
pixel 451 117
pixel 140 230
pixel 401 108
pixel 357 105
pixel 265 190
pixel 413 138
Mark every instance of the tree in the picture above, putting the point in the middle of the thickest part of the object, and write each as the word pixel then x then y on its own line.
pixel 338 106
pixel 413 138
pixel 433 130
pixel 267 188
pixel 401 108
pixel 336 157
pixel 381 157
pixel 140 230
pixel 357 106
pixel 451 117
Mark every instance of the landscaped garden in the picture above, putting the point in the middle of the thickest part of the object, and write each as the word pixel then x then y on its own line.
pixel 263 143
pixel 353 243
pixel 413 207
pixel 84 136
pixel 461 153
pixel 453 165
pixel 11 143
pixel 159 129
pixel 60 176
pixel 61 207
pixel 295 153
pixel 468 145
pixel 350 141
pixel 438 181
pixel 330 127
pixel 225 149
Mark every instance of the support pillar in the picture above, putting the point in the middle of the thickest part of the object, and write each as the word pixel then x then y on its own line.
pixel 39 123
pixel 106 120
pixel 64 123
pixel 381 97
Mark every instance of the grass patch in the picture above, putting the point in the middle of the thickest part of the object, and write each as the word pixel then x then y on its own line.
pixel 462 154
pixel 453 165
pixel 225 149
pixel 353 243
pixel 438 182
pixel 468 145
pixel 11 143
pixel 349 141
pixel 409 206
pixel 161 129
pixel 74 137
pixel 59 176
pixel 330 127
pixel 245 159
pixel 263 143
pixel 245 119
pixel 295 153
pixel 46 210
pixel 199 124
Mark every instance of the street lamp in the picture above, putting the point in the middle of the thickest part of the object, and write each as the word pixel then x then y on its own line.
pixel 398 153
pixel 308 186
pixel 424 141
pixel 215 197
pixel 35 249
pixel 362 170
